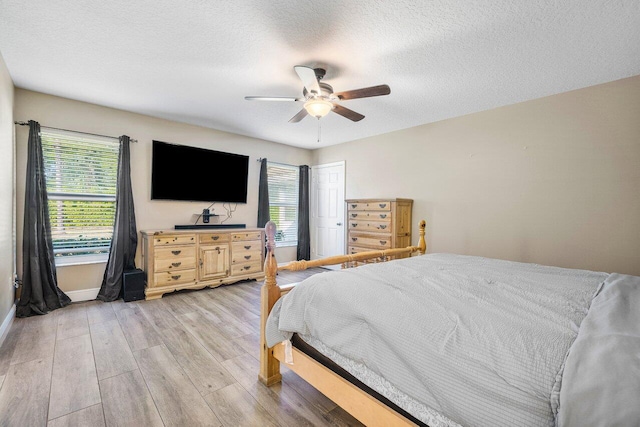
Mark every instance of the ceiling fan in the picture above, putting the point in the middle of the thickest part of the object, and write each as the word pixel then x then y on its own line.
pixel 319 98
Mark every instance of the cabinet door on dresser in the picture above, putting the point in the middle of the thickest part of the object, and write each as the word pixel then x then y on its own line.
pixel 213 261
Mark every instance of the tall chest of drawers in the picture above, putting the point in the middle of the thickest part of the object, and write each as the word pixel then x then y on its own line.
pixel 377 224
pixel 193 259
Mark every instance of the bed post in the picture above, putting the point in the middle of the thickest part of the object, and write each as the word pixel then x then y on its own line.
pixel 422 243
pixel 269 294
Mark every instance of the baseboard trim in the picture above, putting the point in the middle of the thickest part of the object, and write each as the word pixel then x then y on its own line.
pixel 6 324
pixel 83 294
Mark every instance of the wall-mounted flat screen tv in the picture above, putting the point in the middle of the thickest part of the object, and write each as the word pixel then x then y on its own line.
pixel 179 172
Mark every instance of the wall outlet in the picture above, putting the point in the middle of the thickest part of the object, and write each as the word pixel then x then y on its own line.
pixel 205 216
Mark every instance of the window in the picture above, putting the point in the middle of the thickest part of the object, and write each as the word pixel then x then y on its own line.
pixel 81 173
pixel 283 202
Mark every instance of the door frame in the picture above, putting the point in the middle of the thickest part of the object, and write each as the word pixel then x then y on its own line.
pixel 313 191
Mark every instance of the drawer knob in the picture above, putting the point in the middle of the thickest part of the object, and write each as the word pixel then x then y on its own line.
pixel 382 205
pixel 353 224
pixel 354 238
pixel 383 216
pixel 176 277
pixel 382 227
pixel 354 206
pixel 215 237
pixel 247 257
pixel 176 264
pixel 383 242
pixel 246 267
pixel 354 215
pixel 247 247
pixel 176 252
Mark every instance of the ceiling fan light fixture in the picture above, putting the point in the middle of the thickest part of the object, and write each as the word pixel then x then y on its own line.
pixel 318 107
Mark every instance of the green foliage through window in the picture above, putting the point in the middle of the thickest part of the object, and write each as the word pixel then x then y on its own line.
pixel 81 174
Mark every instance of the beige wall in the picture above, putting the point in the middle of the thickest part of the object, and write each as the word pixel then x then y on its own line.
pixel 6 192
pixel 553 181
pixel 150 214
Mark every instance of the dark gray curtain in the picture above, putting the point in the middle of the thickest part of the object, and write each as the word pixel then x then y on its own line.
pixel 40 293
pixel 263 195
pixel 304 238
pixel 125 235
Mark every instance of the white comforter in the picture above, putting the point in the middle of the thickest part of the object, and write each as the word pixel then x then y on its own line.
pixel 452 339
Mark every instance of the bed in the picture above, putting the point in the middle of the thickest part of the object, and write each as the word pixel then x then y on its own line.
pixel 446 340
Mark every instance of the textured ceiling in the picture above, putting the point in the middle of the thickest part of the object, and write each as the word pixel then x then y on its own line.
pixel 194 61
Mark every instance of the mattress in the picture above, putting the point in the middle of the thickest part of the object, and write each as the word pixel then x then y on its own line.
pixel 453 340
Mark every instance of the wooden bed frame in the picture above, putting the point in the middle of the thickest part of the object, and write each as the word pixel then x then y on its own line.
pixel 352 399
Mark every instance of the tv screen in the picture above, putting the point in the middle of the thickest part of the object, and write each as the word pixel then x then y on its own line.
pixel 186 173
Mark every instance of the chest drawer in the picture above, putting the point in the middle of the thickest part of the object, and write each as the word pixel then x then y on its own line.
pixel 250 235
pixel 179 239
pixel 175 277
pixel 213 238
pixel 246 268
pixel 370 206
pixel 247 245
pixel 246 256
pixel 370 241
pixel 355 225
pixel 375 216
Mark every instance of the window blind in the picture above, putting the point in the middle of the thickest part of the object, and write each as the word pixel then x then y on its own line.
pixel 283 202
pixel 81 173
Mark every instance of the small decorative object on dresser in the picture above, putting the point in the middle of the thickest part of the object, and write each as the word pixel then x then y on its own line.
pixel 194 259
pixel 376 224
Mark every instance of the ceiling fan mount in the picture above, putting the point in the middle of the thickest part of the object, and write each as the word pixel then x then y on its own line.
pixel 319 98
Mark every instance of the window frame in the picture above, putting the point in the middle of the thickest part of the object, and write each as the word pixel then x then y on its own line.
pixel 84 141
pixel 272 203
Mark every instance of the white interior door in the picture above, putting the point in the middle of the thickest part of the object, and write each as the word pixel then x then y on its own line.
pixel 327 210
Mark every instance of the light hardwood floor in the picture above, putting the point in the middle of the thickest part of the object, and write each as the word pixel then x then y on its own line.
pixel 188 359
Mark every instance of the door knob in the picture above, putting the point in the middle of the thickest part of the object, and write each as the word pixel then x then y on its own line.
pixel 339 223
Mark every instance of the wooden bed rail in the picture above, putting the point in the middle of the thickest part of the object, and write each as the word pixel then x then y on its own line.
pixel 271 292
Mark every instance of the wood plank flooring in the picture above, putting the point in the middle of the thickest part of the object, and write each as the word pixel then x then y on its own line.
pixel 190 358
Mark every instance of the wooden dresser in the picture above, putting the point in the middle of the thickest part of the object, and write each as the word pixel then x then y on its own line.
pixel 193 259
pixel 376 224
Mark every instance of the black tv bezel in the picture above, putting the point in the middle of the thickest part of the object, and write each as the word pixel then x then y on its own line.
pixel 193 149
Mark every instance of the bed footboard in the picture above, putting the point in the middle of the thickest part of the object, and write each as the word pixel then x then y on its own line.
pixel 271 292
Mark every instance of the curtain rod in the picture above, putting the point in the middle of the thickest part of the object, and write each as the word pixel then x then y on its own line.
pixel 259 159
pixel 75 131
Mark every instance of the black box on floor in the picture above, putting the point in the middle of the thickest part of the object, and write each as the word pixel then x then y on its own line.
pixel 133 285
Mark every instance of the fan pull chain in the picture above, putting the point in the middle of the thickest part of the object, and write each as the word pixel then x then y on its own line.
pixel 319 127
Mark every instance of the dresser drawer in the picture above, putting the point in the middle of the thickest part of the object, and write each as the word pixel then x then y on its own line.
pixel 175 277
pixel 213 238
pixel 179 239
pixel 250 235
pixel 246 268
pixel 248 245
pixel 375 216
pixel 241 256
pixel 355 225
pixel 370 206
pixel 370 241
pixel 174 258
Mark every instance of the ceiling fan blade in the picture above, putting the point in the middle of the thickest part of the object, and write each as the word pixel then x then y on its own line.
pixel 301 115
pixel 309 79
pixel 364 92
pixel 272 98
pixel 345 112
